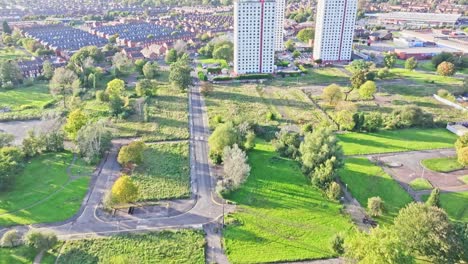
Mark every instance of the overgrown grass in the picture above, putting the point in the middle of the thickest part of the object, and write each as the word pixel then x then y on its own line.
pixel 455 204
pixel 222 63
pixel 280 216
pixel 366 180
pixel 25 102
pixel 396 141
pixel 313 76
pixel 43 191
pixel 164 173
pixel 26 255
pixel 185 246
pixel 12 54
pixel 420 184
pixel 446 164
pixel 423 77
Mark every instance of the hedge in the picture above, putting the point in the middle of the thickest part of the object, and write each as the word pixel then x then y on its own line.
pixel 214 70
pixel 202 76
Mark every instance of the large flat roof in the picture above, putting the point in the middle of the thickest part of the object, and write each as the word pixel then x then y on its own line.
pixel 423 50
pixel 422 17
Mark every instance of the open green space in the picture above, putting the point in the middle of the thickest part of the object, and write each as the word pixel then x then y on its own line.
pixel 280 216
pixel 396 141
pixel 44 192
pixel 12 54
pixel 365 180
pixel 455 204
pixel 164 173
pixel 445 164
pixel 424 77
pixel 24 255
pixel 222 63
pixel 25 102
pixel 420 184
pixel 325 75
pixel 167 119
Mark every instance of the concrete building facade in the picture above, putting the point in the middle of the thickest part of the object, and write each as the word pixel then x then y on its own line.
pixel 254 36
pixel 334 30
pixel 279 25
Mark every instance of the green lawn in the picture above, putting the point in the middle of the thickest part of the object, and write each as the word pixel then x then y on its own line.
pixel 25 255
pixel 25 102
pixel 396 141
pixel 446 164
pixel 464 179
pixel 185 246
pixel 164 173
pixel 42 192
pixel 222 63
pixel 420 184
pixel 455 204
pixel 422 77
pixel 280 216
pixel 13 54
pixel 366 180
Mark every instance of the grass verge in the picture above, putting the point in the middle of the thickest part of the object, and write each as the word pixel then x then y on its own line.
pixel 446 164
pixel 420 184
pixel 281 217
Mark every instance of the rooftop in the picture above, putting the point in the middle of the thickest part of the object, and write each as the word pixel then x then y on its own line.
pixel 424 17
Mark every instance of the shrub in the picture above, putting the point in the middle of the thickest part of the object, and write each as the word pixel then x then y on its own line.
pixel 334 191
pixel 345 120
pixel 224 135
pixel 11 238
pixel 40 240
pixel 375 206
pixel 218 119
pixel 446 94
pixel 463 156
pixel 270 116
pixel 206 88
pixel 202 76
pixel 409 116
pixel 434 198
pixel 124 190
pixel 132 153
pixel 222 78
pixel 101 96
pixel 307 128
pixel 337 244
pixel 255 76
pixel 446 69
pixel 287 144
pixel 214 70
pixel 367 90
pixel 332 94
pixel 372 122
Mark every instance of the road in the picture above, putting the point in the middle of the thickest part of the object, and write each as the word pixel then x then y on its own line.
pixel 206 209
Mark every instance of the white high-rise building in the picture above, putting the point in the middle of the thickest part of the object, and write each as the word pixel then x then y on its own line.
pixel 279 25
pixel 254 36
pixel 334 30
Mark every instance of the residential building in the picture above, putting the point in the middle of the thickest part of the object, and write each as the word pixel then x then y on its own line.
pixel 279 25
pixel 334 30
pixel 254 36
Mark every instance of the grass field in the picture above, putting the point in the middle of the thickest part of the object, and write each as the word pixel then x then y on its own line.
pixel 165 247
pixel 43 192
pixel 222 63
pixel 25 102
pixel 25 255
pixel 313 76
pixel 164 173
pixel 455 204
pixel 422 77
pixel 446 164
pixel 366 180
pixel 396 141
pixel 280 216
pixel 420 184
pixel 12 54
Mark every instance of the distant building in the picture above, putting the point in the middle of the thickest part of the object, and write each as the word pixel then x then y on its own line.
pixel 423 53
pixel 254 36
pixel 418 19
pixel 334 30
pixel 279 25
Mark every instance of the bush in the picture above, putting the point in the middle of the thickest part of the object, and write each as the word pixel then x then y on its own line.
pixel 446 69
pixel 11 238
pixel 225 135
pixel 255 76
pixel 218 119
pixel 372 122
pixel 367 90
pixel 287 144
pixel 337 244
pixel 334 191
pixel 222 78
pixel 132 153
pixel 332 94
pixel 409 116
pixel 270 116
pixel 101 96
pixel 202 76
pixel 446 95
pixel 375 206
pixel 124 190
pixel 40 240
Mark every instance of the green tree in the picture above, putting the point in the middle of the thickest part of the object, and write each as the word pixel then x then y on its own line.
pixel 41 240
pixel 332 94
pixel 6 139
pixel 124 190
pixel 93 140
pixel 434 198
pixel 367 90
pixel 345 120
pixel 171 56
pixel 139 63
pixel 10 73
pixel 446 69
pixel 144 88
pixel 375 205
pixel 11 238
pixel 306 34
pixel 121 64
pixel 290 45
pixel 224 135
pixel 225 52
pixel 132 153
pixel 296 54
pixel 411 63
pixel 75 121
pixel 334 191
pixel 62 83
pixel 11 159
pixel 462 155
pixel 390 60
pixel 179 74
pixel 150 70
pixel 357 79
pixel 115 87
pixel 48 70
pixel 439 58
pixel 6 27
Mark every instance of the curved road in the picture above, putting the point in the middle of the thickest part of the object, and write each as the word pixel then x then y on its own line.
pixel 206 209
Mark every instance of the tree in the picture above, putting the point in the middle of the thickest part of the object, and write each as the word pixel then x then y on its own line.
pixel 224 135
pixel 6 27
pixel 383 73
pixel 179 74
pixel 463 156
pixel 337 244
pixel 40 240
pixel 75 121
pixel 357 79
pixel 93 140
pixel 290 45
pixel 390 60
pixel 115 87
pixel 139 63
pixel 332 94
pixel 306 34
pixel 124 190
pixel 144 88
pixel 171 56
pixel 375 205
pixel 380 246
pixel 6 139
pixel 409 116
pixel 361 66
pixel 235 167
pixel 367 90
pixel 225 52
pixel 11 238
pixel 434 198
pixel 121 63
pixel 296 54
pixel 62 82
pixel 150 70
pixel 446 69
pixel 372 122
pixel 132 154
pixel 11 159
pixel 334 191
pixel 48 70
pixel 411 63
pixel 439 58
pixel 425 231
pixel 10 72
pixel 287 143
pixel 345 120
